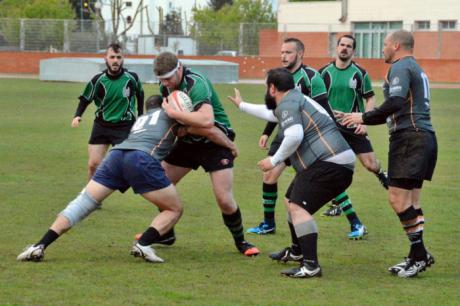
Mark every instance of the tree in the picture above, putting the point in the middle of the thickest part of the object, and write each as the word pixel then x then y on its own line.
pixel 38 35
pixel 218 4
pixel 233 27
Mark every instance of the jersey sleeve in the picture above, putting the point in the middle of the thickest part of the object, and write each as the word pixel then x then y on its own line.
pixel 200 93
pixel 318 88
pixel 288 114
pixel 88 92
pixel 399 82
pixel 367 90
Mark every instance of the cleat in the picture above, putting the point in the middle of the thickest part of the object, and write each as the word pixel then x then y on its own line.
pixel 358 231
pixel 383 178
pixel 286 255
pixel 167 239
pixel 247 249
pixel 146 252
pixel 401 266
pixel 32 253
pixel 412 268
pixel 306 270
pixel 333 211
pixel 263 229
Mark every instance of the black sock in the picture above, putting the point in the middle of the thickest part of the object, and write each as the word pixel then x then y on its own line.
pixel 295 241
pixel 269 196
pixel 234 223
pixel 413 224
pixel 308 244
pixel 49 237
pixel 149 236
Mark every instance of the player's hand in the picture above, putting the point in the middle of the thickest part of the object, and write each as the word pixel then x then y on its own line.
pixel 263 142
pixel 236 99
pixel 350 119
pixel 361 129
pixel 170 110
pixel 75 122
pixel 234 150
pixel 265 164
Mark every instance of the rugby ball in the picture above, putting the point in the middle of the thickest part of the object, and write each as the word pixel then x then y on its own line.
pixel 180 101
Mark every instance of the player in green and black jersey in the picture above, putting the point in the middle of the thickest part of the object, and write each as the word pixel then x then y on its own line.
pixel 192 152
pixel 119 97
pixel 310 83
pixel 350 90
pixel 413 147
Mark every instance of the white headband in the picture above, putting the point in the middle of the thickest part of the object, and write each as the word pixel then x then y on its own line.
pixel 169 74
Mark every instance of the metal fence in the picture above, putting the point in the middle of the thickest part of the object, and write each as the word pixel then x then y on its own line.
pixel 215 39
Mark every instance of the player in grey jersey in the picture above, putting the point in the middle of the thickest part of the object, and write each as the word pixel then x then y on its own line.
pixel 322 159
pixel 134 163
pixel 413 146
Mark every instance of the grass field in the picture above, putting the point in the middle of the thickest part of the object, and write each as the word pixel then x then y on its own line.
pixel 43 166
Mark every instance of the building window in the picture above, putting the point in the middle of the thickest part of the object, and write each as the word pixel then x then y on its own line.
pixel 422 25
pixel 129 3
pixel 446 25
pixel 370 35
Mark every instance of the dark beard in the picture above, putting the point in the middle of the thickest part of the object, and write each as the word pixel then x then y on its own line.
pixel 112 72
pixel 270 102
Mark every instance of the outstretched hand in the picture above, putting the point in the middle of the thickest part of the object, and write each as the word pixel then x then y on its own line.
pixel 237 99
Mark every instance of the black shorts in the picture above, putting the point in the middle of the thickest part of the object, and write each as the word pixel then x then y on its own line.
pixel 318 184
pixel 407 184
pixel 412 155
pixel 274 146
pixel 358 143
pixel 210 156
pixel 109 135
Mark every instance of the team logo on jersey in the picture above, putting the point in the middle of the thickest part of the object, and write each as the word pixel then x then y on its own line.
pixel 126 92
pixel 353 83
pixel 395 81
pixel 284 114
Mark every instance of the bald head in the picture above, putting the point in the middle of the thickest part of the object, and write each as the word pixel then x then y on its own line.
pixel 404 38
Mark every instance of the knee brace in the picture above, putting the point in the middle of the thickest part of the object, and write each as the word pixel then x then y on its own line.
pixel 80 208
pixel 305 228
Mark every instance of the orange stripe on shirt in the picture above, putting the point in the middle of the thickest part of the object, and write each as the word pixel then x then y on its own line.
pixel 163 138
pixel 319 133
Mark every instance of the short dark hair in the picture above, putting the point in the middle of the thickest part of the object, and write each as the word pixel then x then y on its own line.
pixel 298 44
pixel 116 47
pixel 281 78
pixel 405 38
pixel 164 63
pixel 347 36
pixel 153 102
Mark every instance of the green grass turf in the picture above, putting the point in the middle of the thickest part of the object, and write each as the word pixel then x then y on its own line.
pixel 43 166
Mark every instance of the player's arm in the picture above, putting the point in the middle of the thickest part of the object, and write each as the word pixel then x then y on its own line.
pixel 82 105
pixel 215 135
pixel 203 117
pixel 361 129
pixel 376 116
pixel 293 136
pixel 257 110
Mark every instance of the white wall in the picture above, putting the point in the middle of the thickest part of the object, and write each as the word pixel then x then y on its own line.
pixel 325 13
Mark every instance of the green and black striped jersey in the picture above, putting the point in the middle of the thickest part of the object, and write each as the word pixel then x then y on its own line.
pixel 346 88
pixel 115 97
pixel 200 90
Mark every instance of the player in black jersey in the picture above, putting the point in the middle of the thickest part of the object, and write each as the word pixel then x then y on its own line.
pixel 413 147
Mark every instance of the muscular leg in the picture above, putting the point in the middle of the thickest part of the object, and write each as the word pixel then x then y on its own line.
pixel 369 161
pixel 174 173
pixel 96 153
